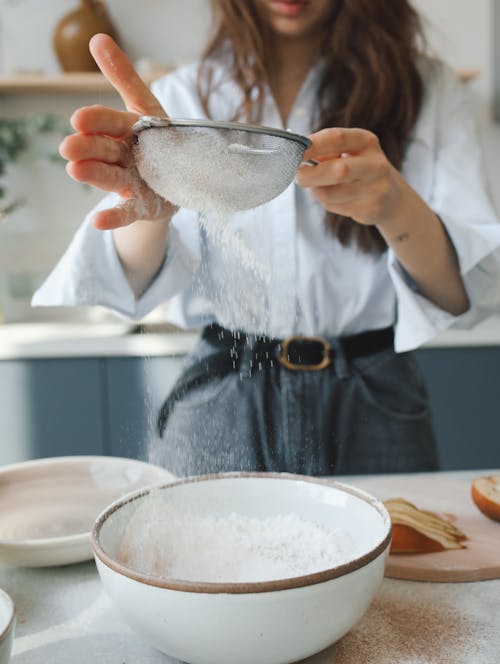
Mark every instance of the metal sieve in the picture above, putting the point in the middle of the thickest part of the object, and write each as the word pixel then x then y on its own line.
pixel 218 167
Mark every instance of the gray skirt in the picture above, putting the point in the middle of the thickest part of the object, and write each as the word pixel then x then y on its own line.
pixel 368 414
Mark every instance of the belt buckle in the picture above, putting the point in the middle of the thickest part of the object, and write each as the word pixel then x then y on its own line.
pixel 293 366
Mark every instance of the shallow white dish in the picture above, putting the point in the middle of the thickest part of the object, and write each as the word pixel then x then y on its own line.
pixel 269 622
pixel 7 626
pixel 49 505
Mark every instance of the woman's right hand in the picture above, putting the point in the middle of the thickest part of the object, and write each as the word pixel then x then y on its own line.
pixel 100 153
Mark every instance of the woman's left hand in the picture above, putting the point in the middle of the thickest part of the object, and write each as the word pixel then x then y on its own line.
pixel 353 178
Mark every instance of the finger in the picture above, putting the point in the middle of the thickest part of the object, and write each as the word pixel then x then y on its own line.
pixel 333 142
pixel 340 171
pixel 340 194
pixel 130 210
pixel 82 147
pixel 103 176
pixel 119 71
pixel 102 120
pixel 123 214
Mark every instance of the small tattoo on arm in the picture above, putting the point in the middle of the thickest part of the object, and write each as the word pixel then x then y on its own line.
pixel 402 237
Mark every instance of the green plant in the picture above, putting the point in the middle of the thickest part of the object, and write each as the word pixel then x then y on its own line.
pixel 18 138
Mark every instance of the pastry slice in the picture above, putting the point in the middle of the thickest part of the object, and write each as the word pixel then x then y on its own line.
pixel 418 531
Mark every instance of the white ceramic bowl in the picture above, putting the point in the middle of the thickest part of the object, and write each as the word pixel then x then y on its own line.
pixel 7 625
pixel 269 622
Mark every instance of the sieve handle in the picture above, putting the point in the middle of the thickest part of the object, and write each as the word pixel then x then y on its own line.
pixel 149 121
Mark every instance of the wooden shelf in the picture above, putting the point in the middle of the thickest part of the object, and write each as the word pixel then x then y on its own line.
pixel 71 82
pixel 83 82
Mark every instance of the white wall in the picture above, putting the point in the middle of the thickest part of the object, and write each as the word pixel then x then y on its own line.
pixel 164 31
pixel 168 31
pixel 460 31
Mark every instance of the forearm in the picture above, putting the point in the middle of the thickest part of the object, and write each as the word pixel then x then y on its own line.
pixel 141 249
pixel 423 247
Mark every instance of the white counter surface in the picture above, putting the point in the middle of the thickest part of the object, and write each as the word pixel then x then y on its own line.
pixel 65 340
pixel 64 617
pixel 60 340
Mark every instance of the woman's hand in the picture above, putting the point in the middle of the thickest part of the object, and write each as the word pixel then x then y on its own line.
pixel 100 154
pixel 353 178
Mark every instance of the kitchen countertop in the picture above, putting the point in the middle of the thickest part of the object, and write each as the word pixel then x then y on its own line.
pixel 66 340
pixel 64 616
pixel 39 340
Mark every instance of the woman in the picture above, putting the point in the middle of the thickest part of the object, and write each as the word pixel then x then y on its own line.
pixel 388 241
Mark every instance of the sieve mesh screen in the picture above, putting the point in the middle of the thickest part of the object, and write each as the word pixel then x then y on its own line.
pixel 216 168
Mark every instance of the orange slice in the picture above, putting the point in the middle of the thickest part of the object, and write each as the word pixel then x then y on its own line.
pixel 485 493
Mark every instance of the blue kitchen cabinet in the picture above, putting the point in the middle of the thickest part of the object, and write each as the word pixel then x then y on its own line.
pixel 464 389
pixel 50 407
pixel 135 389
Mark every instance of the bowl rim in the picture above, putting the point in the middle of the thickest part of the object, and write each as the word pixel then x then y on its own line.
pixel 77 460
pixel 10 623
pixel 249 586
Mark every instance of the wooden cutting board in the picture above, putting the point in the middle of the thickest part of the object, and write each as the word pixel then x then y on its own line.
pixel 446 494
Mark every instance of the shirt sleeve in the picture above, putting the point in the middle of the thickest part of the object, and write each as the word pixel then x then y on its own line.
pixel 90 272
pixel 459 196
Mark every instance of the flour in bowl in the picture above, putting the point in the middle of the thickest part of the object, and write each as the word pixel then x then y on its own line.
pixel 164 541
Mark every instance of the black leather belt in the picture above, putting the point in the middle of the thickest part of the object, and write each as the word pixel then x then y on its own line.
pixel 299 353
pixel 295 353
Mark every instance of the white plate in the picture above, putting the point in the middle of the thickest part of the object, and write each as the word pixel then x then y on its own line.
pixel 49 505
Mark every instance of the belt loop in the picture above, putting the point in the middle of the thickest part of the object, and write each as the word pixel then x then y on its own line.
pixel 340 361
pixel 246 354
pixel 233 349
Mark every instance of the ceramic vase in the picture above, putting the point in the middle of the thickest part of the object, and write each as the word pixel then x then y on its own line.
pixel 73 32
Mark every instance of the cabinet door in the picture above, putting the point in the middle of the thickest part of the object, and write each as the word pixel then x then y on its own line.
pixel 50 408
pixel 464 388
pixel 136 388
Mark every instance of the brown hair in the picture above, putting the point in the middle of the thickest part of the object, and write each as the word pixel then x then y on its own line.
pixel 370 79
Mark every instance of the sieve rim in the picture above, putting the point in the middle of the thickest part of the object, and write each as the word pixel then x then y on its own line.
pixel 154 122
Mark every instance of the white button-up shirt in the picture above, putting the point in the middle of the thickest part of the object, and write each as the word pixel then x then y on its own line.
pixel 309 283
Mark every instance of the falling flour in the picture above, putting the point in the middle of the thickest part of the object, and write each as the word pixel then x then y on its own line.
pixel 189 169
pixel 233 246
pixel 164 541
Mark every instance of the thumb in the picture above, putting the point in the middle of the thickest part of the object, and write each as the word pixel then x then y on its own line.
pixel 120 72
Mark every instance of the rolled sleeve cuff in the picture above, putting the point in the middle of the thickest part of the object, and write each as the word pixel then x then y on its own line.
pixel 90 273
pixel 418 320
pixel 472 243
